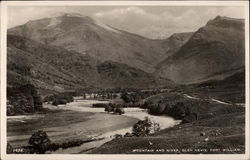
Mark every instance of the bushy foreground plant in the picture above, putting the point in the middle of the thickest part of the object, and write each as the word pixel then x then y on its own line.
pixel 39 142
pixel 145 127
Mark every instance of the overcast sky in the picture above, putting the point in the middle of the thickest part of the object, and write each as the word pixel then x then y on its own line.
pixel 148 21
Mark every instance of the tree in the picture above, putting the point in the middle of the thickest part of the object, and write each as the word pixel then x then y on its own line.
pixel 108 109
pixel 9 149
pixel 119 111
pixel 126 97
pixel 84 96
pixel 39 142
pixel 143 127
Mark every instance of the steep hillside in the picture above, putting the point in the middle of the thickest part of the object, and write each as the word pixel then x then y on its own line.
pixel 56 69
pixel 114 75
pixel 86 36
pixel 215 51
pixel 173 43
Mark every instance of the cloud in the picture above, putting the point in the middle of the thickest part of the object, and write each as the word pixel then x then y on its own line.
pixel 150 21
pixel 20 15
pixel 160 25
pixel 116 13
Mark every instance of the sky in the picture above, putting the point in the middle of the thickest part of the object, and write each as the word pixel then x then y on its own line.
pixel 154 22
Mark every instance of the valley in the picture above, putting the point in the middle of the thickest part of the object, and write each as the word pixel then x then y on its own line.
pixel 87 87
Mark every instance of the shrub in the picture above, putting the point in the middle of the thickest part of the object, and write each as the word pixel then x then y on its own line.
pixel 119 111
pixel 62 98
pixel 117 136
pixel 153 109
pixel 128 135
pixel 108 109
pixel 142 127
pixel 9 149
pixel 99 105
pixel 39 142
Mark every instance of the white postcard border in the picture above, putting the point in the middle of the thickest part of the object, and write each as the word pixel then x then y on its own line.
pixel 4 6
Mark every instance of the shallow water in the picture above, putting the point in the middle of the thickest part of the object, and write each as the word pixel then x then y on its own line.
pixel 100 124
pixel 86 106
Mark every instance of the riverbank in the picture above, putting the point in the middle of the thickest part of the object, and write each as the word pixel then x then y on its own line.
pixel 64 125
pixel 78 120
pixel 219 129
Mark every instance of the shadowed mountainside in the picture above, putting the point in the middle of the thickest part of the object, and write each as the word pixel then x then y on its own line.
pixel 103 42
pixel 56 69
pixel 215 51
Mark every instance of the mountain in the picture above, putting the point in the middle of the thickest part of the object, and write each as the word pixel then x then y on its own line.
pixel 173 43
pixel 87 36
pixel 55 69
pixel 215 51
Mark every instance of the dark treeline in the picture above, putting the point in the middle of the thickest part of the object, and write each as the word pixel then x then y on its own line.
pixel 111 107
pixel 107 90
pixel 60 98
pixel 111 93
pixel 172 105
pixel 185 111
pixel 137 98
pixel 23 100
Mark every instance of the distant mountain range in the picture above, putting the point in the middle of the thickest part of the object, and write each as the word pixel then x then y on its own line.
pixel 215 51
pixel 86 36
pixel 72 51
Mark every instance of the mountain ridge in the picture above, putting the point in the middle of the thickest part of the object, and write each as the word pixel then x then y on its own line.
pixel 214 48
pixel 54 69
pixel 85 35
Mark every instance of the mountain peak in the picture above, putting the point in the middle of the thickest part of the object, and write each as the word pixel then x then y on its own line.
pixel 67 14
pixel 227 22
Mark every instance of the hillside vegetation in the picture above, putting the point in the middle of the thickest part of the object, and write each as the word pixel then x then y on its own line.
pixel 54 69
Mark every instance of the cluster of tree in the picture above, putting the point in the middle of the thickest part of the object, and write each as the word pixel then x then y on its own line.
pixel 112 93
pixel 141 128
pixel 95 90
pixel 61 98
pixel 115 109
pixel 137 96
pixel 23 99
pixel 100 105
pixel 99 95
pixel 186 111
pixel 117 105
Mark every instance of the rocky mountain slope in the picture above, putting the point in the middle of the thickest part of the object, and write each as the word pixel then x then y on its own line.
pixel 54 69
pixel 173 43
pixel 215 51
pixel 87 36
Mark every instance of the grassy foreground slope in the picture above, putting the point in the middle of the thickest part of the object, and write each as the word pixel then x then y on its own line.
pixel 220 127
pixel 223 131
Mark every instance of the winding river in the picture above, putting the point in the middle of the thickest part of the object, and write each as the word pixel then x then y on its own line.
pixel 97 123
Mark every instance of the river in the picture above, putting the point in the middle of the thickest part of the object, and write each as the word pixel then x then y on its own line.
pixel 79 120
